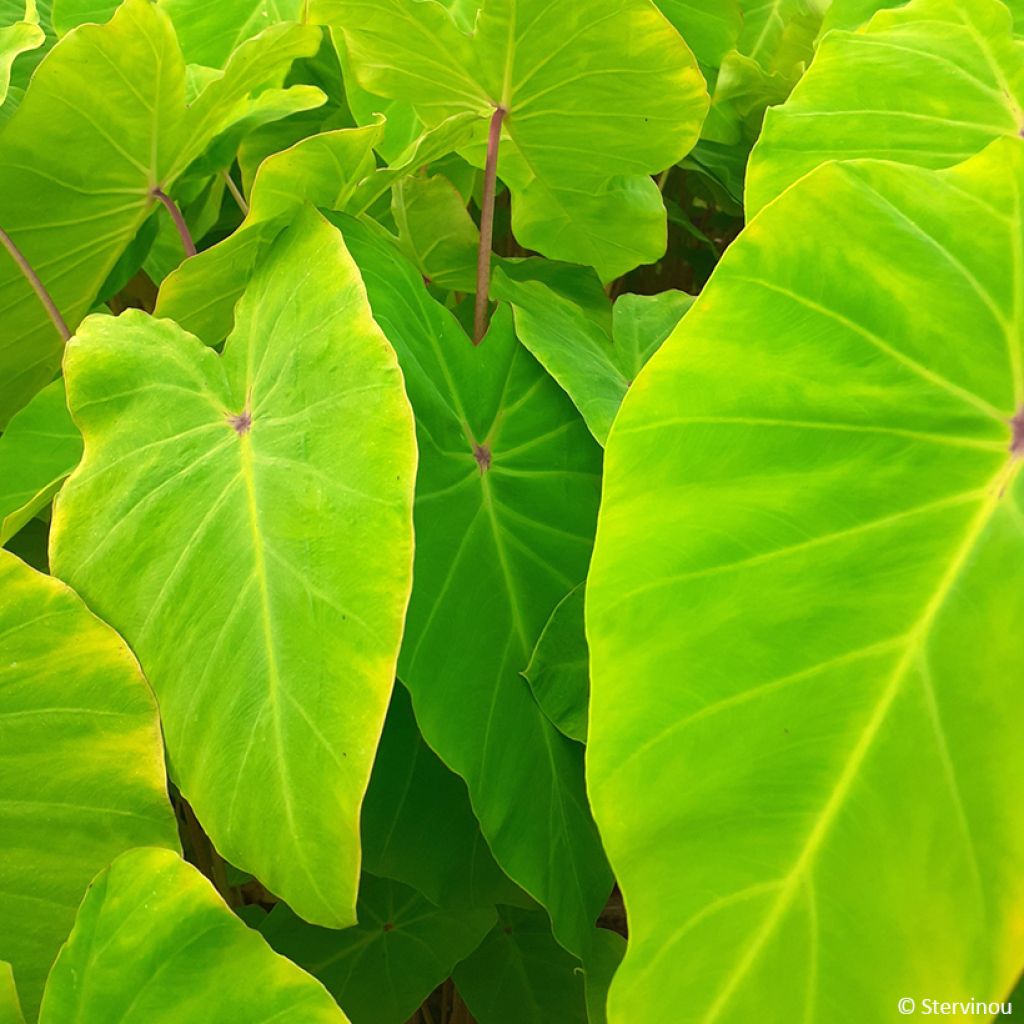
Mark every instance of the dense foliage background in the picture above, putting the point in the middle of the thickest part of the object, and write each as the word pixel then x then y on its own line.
pixel 511 510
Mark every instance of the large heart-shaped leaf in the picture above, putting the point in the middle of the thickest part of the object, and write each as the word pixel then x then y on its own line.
pixel 38 450
pixel 805 733
pixel 596 97
pixel 154 944
pixel 81 765
pixel 382 969
pixel 73 217
pixel 246 523
pixel 506 497
pixel 929 84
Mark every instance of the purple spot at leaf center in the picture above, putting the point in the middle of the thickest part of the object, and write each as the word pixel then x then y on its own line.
pixel 1017 426
pixel 482 454
pixel 242 422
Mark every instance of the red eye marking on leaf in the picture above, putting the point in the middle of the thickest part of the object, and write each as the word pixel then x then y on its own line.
pixel 388 926
pixel 1017 444
pixel 482 454
pixel 242 422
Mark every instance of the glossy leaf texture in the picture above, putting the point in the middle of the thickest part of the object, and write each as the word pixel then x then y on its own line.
pixel 38 450
pixel 806 771
pixel 505 503
pixel 597 96
pixel 81 765
pixel 245 521
pixel 134 134
pixel 380 970
pixel 559 669
pixel 418 826
pixel 154 944
pixel 928 84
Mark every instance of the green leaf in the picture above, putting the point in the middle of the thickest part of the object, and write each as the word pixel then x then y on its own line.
pixel 210 32
pixel 608 950
pixel 207 33
pixel 38 450
pixel 417 823
pixel 593 366
pixel 154 944
pixel 711 28
pixel 381 969
pixel 436 231
pixel 558 672
pixel 81 765
pixel 505 502
pixel 852 14
pixel 202 292
pixel 597 98
pixel 17 38
pixel 779 34
pixel 73 219
pixel 245 522
pixel 521 975
pixel 930 84
pixel 10 1005
pixel 821 460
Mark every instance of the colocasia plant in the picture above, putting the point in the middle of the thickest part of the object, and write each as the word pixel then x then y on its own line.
pixel 512 511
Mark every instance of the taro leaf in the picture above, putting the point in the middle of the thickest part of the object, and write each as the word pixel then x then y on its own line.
pixel 820 460
pixel 595 367
pixel 520 974
pixel 380 970
pixel 608 950
pixel 558 672
pixel 597 96
pixel 417 823
pixel 929 84
pixel 323 170
pixel 38 450
pixel 334 170
pixel 641 323
pixel 436 231
pixel 506 496
pixel 73 219
pixel 10 1005
pixel 245 522
pixel 210 32
pixel 16 38
pixel 81 765
pixel 852 14
pixel 154 944
pixel 711 28
pixel 779 34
